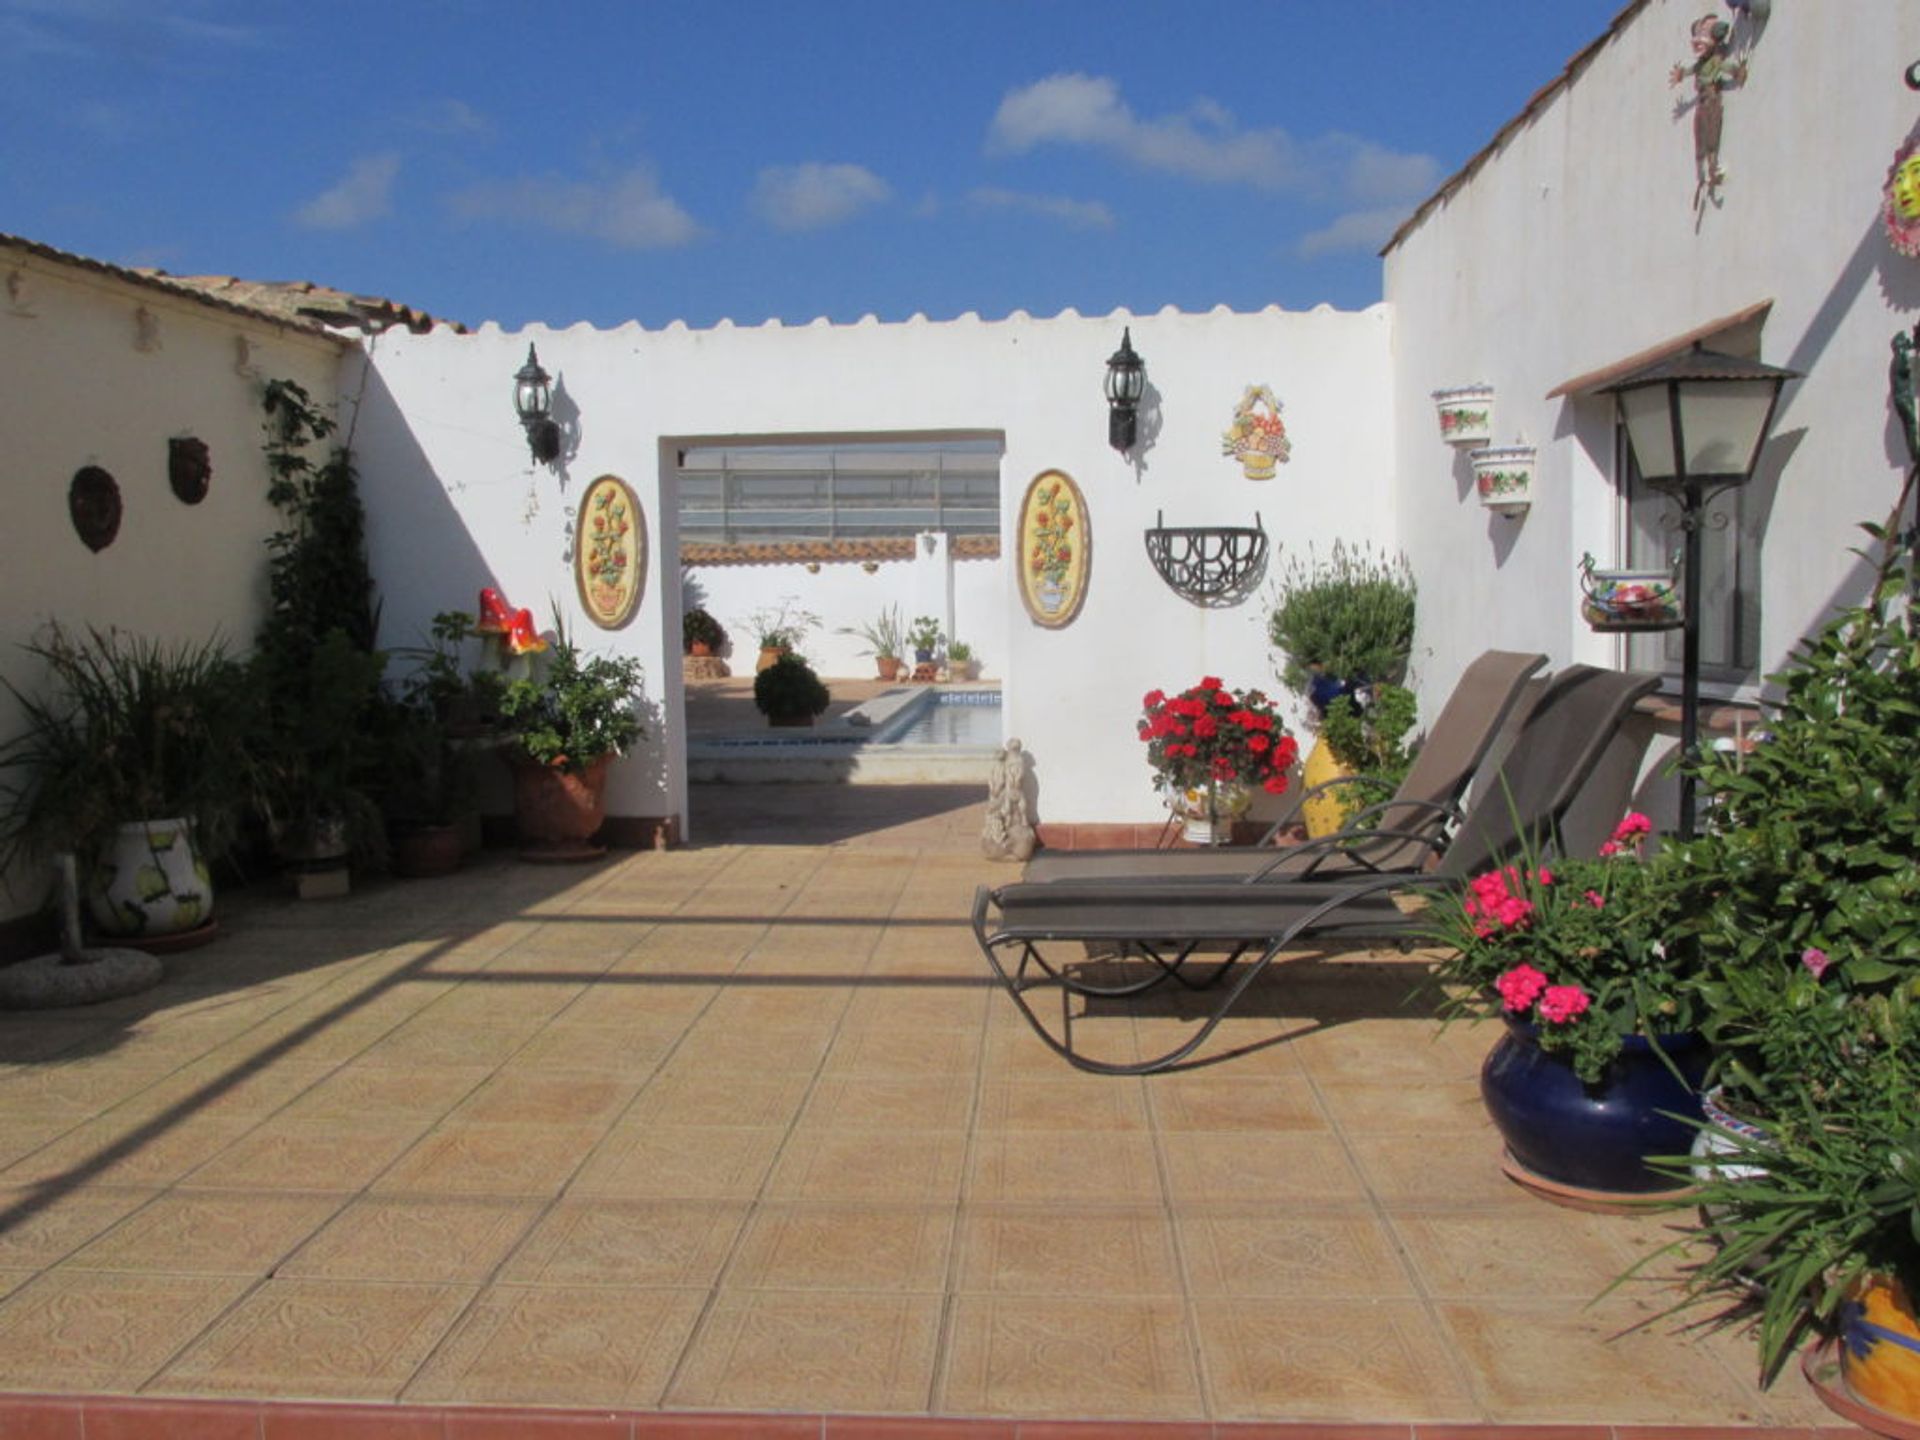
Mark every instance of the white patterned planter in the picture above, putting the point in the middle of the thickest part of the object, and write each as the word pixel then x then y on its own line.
pixel 152 881
pixel 1504 477
pixel 1465 414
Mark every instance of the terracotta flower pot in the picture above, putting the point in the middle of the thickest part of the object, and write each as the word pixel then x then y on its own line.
pixel 699 647
pixel 557 811
pixel 421 852
pixel 889 666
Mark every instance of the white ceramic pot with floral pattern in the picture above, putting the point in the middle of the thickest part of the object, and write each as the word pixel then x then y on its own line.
pixel 1504 477
pixel 1465 414
pixel 151 881
pixel 1206 818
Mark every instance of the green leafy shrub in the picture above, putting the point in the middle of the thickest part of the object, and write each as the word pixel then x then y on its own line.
pixel 1350 616
pixel 698 627
pixel 575 710
pixel 1371 739
pixel 788 688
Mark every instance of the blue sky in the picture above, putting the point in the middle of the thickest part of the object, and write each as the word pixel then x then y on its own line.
pixel 702 159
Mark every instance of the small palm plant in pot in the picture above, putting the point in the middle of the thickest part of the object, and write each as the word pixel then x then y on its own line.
pixel 885 635
pixel 566 724
pixel 133 759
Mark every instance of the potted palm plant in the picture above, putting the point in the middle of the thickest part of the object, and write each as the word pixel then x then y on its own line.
pixel 132 759
pixel 779 629
pixel 884 636
pixel 565 725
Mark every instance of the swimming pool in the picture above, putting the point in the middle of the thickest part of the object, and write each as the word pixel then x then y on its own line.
pixel 947 717
pixel 908 735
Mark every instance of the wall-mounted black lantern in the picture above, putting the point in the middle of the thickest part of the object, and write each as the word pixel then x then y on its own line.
pixel 1126 383
pixel 533 402
pixel 1696 421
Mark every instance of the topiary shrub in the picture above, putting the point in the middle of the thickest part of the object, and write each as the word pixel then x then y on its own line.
pixel 789 690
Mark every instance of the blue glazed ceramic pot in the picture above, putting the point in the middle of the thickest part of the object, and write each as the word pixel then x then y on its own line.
pixel 1323 689
pixel 1594 1137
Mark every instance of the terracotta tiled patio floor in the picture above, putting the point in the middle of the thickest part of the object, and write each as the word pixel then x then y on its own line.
pixel 742 1128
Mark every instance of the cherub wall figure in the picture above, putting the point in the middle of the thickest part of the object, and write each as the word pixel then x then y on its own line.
pixel 1714 70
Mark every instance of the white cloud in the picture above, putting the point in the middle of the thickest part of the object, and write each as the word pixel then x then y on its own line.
pixel 814 196
pixel 364 193
pixel 1083 214
pixel 1363 230
pixel 629 212
pixel 450 117
pixel 1205 143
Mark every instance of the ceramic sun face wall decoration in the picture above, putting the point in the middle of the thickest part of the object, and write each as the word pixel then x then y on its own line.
pixel 610 552
pixel 1055 550
pixel 1900 200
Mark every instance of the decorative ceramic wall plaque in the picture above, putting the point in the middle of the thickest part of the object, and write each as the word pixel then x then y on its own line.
pixel 1900 200
pixel 1257 438
pixel 189 468
pixel 93 500
pixel 610 552
pixel 1055 549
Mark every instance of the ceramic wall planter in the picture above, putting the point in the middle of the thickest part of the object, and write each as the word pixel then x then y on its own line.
pixel 152 881
pixel 1465 413
pixel 1504 477
pixel 1594 1138
pixel 1629 599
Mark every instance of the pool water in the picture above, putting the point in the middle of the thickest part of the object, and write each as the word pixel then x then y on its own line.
pixel 972 719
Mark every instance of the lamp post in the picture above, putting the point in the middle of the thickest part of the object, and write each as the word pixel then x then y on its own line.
pixel 1695 422
pixel 1126 383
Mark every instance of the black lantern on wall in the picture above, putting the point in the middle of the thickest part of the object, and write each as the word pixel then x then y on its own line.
pixel 1696 421
pixel 1126 383
pixel 533 402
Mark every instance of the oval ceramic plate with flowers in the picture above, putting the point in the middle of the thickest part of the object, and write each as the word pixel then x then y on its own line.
pixel 610 552
pixel 1054 549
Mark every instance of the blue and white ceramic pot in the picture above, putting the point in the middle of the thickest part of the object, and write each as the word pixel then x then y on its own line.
pixel 1595 1137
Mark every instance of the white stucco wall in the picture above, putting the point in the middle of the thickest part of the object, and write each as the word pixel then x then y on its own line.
pixel 447 481
pixel 83 381
pixel 1576 246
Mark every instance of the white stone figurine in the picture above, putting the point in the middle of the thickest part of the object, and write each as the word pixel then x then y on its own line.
pixel 1009 830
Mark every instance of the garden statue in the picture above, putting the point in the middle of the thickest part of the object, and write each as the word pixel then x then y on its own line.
pixel 1009 830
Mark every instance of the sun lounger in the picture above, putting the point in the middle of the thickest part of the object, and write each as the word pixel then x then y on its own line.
pixel 1218 935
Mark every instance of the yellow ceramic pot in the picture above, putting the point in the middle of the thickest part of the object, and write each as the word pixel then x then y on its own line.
pixel 1880 1347
pixel 1324 813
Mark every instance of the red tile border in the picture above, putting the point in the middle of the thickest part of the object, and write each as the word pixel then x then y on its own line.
pixel 33 1417
pixel 1309 1430
pixel 727 1427
pixel 908 1427
pixel 171 1420
pixel 1521 1432
pixel 350 1422
pixel 506 1423
pixel 1114 1430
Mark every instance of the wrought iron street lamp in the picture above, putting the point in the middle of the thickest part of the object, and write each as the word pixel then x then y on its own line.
pixel 533 403
pixel 1126 383
pixel 1696 421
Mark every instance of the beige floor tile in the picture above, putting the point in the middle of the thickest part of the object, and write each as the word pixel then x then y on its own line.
pixel 1019 1166
pixel 616 1049
pixel 682 1162
pixel 493 999
pixel 347 1339
pixel 424 1041
pixel 920 1167
pixel 1329 1360
pixel 1496 1254
pixel 730 1050
pixel 137 1152
pixel 871 1102
pixel 308 1155
pixel 681 1094
pixel 99 1330
pixel 811 1350
pixel 1031 1356
pixel 1293 1252
pixel 752 1004
pixel 628 1242
pixel 1247 1047
pixel 461 1158
pixel 844 1247
pixel 40 1227
pixel 1384 1049
pixel 1076 1102
pixel 1403 1171
pixel 195 1232
pixel 557 1345
pixel 1206 1101
pixel 22 1134
pixel 918 1004
pixel 1300 1167
pixel 1083 1250
pixel 456 1241
pixel 1590 1364
pixel 78 1088
pixel 524 1096
pixel 1431 1107
pixel 357 1092
pixel 890 1053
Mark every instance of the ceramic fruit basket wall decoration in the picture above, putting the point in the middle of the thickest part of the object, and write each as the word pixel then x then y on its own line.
pixel 1629 599
pixel 1257 438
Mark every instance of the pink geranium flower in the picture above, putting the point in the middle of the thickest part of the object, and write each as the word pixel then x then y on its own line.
pixel 1520 987
pixel 1561 1003
pixel 1815 959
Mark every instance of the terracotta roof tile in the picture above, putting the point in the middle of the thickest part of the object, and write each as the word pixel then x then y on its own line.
pixel 831 552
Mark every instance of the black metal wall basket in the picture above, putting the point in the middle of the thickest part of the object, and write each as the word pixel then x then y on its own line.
pixel 1210 565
